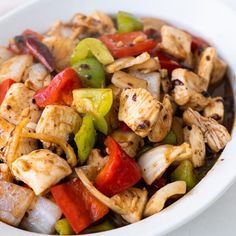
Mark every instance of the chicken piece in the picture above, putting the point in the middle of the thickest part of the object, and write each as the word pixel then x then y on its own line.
pixel 216 135
pixel 219 70
pixel 126 62
pixel 206 65
pixel 61 49
pixel 157 202
pixel 124 80
pixel 139 110
pixel 6 130
pixel 153 82
pixel 129 141
pixel 105 20
pixel 134 200
pixel 153 23
pixel 94 164
pixel 18 104
pixel 5 173
pixel 215 109
pixel 197 101
pixel 155 162
pixel 14 201
pixel 5 54
pixel 15 67
pixel 41 216
pixel 40 169
pixel 58 121
pixel 176 42
pixel 194 136
pixel 37 77
pixel 165 81
pixel 148 66
pixel 164 121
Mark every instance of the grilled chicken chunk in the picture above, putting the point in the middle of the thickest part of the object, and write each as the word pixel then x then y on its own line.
pixel 15 67
pixel 40 169
pixel 37 77
pixel 58 121
pixel 139 110
pixel 129 141
pixel 61 49
pixel 206 65
pixel 5 173
pixel 148 66
pixel 215 109
pixel 134 201
pixel 5 54
pixel 219 70
pixel 176 42
pixel 216 135
pixel 14 201
pixel 18 104
pixel 164 121
pixel 194 136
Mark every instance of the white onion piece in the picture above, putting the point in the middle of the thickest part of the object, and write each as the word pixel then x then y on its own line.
pixel 42 216
pixel 155 162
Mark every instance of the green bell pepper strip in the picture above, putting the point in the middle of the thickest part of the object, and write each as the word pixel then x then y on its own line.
pixel 63 227
pixel 104 226
pixel 185 172
pixel 85 138
pixel 128 23
pixel 100 124
pixel 170 138
pixel 94 101
pixel 96 47
pixel 91 72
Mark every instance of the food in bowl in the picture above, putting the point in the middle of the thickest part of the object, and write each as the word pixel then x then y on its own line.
pixel 106 121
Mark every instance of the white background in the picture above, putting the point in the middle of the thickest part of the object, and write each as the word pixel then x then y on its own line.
pixel 220 218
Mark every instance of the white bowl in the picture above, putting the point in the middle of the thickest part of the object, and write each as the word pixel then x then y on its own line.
pixel 210 19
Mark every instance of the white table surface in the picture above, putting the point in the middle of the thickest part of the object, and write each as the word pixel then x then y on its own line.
pixel 220 218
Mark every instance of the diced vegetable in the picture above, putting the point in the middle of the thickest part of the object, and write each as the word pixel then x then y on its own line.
pixel 79 206
pixel 59 90
pixel 40 52
pixel 95 101
pixel 96 47
pixel 14 201
pixel 41 216
pixel 128 44
pixel 4 86
pixel 119 173
pixel 63 227
pixel 170 138
pixel 85 138
pixel 90 72
pixel 128 23
pixel 100 124
pixel 104 226
pixel 185 172
pixel 198 43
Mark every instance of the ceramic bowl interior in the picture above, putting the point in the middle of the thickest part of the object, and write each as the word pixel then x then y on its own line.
pixel 211 20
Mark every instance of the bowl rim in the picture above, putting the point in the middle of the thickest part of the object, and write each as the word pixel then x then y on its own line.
pixel 185 202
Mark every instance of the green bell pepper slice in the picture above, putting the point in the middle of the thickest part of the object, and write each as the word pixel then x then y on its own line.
pixel 91 72
pixel 126 22
pixel 101 125
pixel 85 138
pixel 170 138
pixel 63 227
pixel 91 45
pixel 94 101
pixel 185 172
pixel 104 226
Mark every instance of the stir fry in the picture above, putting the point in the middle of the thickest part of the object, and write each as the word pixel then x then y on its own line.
pixel 105 121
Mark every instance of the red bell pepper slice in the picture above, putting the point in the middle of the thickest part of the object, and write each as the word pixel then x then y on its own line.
pixel 120 172
pixel 166 62
pixel 59 91
pixel 122 45
pixel 124 127
pixel 4 87
pixel 198 43
pixel 79 206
